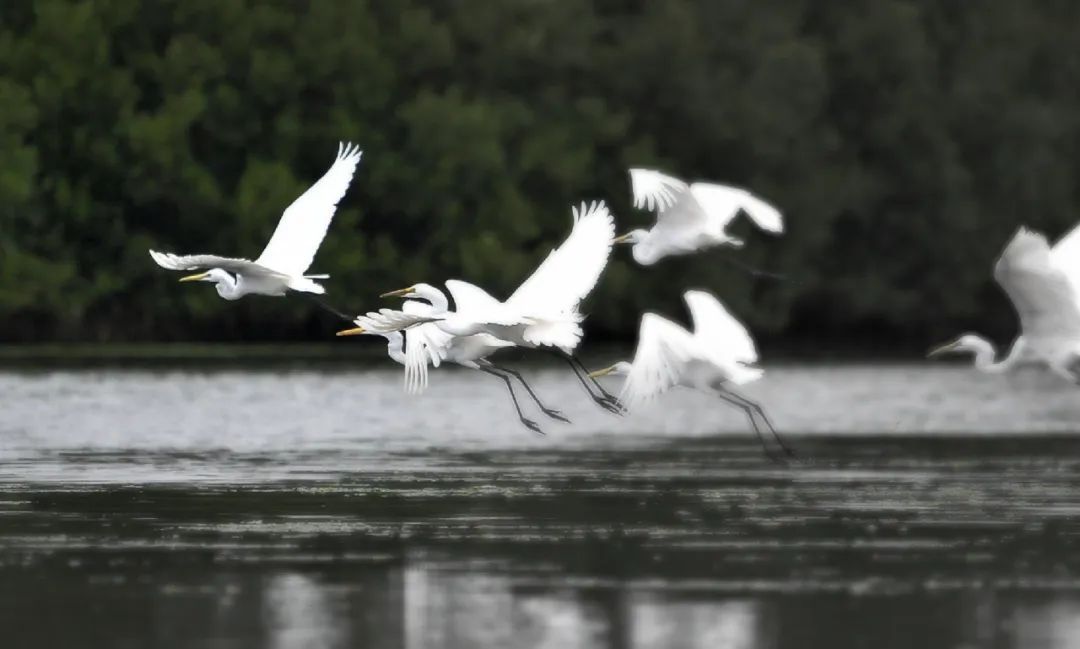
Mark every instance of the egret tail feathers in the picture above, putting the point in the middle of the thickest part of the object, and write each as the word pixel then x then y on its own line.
pixel 563 334
pixel 305 285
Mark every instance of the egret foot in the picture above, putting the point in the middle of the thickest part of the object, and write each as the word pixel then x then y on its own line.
pixel 533 426
pixel 555 414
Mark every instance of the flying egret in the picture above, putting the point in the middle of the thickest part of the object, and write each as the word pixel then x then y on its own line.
pixel 1043 284
pixel 693 217
pixel 285 260
pixel 427 343
pixel 718 354
pixel 389 324
pixel 543 312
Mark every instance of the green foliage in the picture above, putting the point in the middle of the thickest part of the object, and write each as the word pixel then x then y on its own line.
pixel 904 141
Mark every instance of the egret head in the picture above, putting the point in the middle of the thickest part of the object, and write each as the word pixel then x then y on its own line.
pixel 422 291
pixel 644 249
pixel 632 237
pixel 416 290
pixel 965 343
pixel 622 368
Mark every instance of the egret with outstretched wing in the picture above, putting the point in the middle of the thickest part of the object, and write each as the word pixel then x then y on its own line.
pixel 284 262
pixel 717 355
pixel 427 344
pixel 544 311
pixel 691 217
pixel 1043 284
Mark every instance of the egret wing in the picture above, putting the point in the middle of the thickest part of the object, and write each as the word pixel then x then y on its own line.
pixel 197 262
pixel 571 271
pixel 386 321
pixel 436 340
pixel 1066 256
pixel 721 204
pixel 718 332
pixel 424 344
pixel 680 219
pixel 654 190
pixel 664 348
pixel 303 225
pixel 417 356
pixel 1040 291
pixel 477 304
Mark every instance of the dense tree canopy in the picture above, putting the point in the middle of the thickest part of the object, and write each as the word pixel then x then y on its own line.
pixel 904 140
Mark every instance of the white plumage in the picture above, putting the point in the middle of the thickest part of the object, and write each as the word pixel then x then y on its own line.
pixel 1043 284
pixel 718 354
pixel 386 320
pixel 291 250
pixel 427 344
pixel 543 311
pixel 691 217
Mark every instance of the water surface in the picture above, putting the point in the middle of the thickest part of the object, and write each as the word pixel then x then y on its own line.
pixel 929 507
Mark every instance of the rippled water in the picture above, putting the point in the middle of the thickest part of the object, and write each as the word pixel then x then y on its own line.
pixel 930 506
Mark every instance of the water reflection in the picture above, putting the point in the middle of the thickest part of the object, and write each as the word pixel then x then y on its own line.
pixel 658 621
pixel 1043 623
pixel 300 612
pixel 421 604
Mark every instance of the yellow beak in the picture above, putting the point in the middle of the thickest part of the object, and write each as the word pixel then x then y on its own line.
pixel 194 278
pixel 604 372
pixel 937 351
pixel 622 239
pixel 356 331
pixel 398 293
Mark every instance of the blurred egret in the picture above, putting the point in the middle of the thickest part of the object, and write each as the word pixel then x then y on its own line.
pixel 389 324
pixel 693 217
pixel 428 343
pixel 1043 284
pixel 718 354
pixel 543 311
pixel 285 260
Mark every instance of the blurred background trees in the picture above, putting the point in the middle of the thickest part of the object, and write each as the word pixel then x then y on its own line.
pixel 904 140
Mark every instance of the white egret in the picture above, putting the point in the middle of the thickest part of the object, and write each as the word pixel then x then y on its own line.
pixel 283 263
pixel 427 343
pixel 718 354
pixel 389 324
pixel 543 311
pixel 1043 284
pixel 693 217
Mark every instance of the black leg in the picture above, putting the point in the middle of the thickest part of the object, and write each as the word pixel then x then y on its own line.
pixel 600 400
pixel 753 272
pixel 530 424
pixel 550 412
pixel 748 409
pixel 610 398
pixel 756 408
pixel 326 307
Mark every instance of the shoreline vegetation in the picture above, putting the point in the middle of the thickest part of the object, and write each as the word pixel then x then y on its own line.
pixel 904 143
pixel 330 354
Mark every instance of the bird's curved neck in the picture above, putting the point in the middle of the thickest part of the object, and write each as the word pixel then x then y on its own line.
pixel 228 287
pixel 985 356
pixel 395 346
pixel 436 297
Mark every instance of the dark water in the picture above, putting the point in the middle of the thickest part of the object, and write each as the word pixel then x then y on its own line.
pixel 303 509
